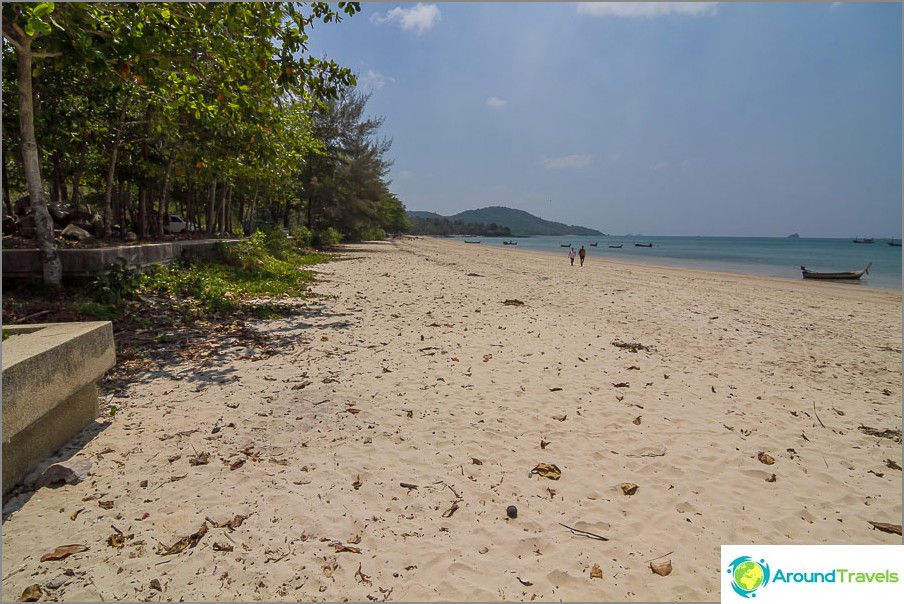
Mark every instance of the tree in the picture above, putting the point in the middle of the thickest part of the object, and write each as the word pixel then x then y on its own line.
pixel 22 25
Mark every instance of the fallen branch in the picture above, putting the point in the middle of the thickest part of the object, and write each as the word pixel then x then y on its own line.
pixel 817 415
pixel 588 534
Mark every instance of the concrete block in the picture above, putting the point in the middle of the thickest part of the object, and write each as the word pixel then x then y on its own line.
pixel 50 373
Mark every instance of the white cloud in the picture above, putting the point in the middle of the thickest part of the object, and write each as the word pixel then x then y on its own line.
pixel 661 165
pixel 835 5
pixel 646 9
pixel 374 80
pixel 420 17
pixel 496 103
pixel 567 161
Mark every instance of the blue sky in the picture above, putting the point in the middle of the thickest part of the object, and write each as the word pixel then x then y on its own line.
pixel 732 119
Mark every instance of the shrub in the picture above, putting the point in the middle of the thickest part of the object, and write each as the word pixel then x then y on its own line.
pixel 328 237
pixel 303 236
pixel 116 281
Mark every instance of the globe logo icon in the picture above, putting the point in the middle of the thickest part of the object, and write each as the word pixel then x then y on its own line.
pixel 748 575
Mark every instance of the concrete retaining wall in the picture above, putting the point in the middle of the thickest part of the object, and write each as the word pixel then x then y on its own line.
pixel 50 373
pixel 89 262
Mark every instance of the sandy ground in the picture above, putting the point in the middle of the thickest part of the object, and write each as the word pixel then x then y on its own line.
pixel 412 369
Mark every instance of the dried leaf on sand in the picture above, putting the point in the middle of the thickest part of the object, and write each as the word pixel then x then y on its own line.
pixel 185 542
pixel 629 488
pixel 63 551
pixel 547 470
pixel 596 572
pixel 886 528
pixel 32 593
pixel 765 458
pixel 661 568
pixel 347 548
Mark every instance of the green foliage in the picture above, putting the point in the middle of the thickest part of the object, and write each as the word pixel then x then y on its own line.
pixel 302 235
pixel 264 265
pixel 6 335
pixel 97 311
pixel 327 237
pixel 115 282
pixel 368 234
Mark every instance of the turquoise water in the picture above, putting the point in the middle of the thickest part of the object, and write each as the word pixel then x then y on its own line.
pixel 765 256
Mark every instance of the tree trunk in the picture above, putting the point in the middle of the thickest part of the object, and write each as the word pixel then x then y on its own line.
pixel 142 213
pixel 221 219
pixel 77 178
pixel 58 191
pixel 5 178
pixel 211 202
pixel 229 210
pixel 31 164
pixel 163 217
pixel 111 170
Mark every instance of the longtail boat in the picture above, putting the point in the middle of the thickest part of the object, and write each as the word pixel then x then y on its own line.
pixel 843 275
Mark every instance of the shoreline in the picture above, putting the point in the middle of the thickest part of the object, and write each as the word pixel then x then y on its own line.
pixel 704 265
pixel 456 371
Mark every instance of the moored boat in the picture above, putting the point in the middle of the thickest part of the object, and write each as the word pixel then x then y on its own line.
pixel 643 245
pixel 864 240
pixel 564 245
pixel 617 247
pixel 842 275
pixel 509 243
pixel 894 243
pixel 466 241
pixel 594 244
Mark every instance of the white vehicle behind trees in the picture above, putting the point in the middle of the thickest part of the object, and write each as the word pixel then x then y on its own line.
pixel 176 225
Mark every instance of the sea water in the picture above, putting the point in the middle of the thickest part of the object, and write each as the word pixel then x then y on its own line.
pixel 765 256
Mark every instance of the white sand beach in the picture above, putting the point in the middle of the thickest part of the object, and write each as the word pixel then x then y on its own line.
pixel 412 368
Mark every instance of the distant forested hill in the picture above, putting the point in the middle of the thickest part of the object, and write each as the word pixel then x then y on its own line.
pixel 515 222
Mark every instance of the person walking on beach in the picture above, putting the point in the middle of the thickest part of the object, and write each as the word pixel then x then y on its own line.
pixel 571 255
pixel 581 253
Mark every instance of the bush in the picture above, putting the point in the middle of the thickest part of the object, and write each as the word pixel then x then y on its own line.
pixel 328 237
pixel 116 281
pixel 303 236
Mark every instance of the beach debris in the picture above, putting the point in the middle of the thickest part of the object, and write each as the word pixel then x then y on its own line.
pixel 72 471
pixel 173 458
pixel 886 528
pixel 143 517
pixel 546 470
pixel 631 346
pixel 658 451
pixel 765 458
pixel 524 581
pixel 636 420
pixel 347 548
pixel 63 552
pixel 596 572
pixel 107 505
pixel 892 433
pixel 622 385
pixel 511 511
pixel 117 540
pixel 353 410
pixel 32 593
pixel 661 568
pixel 483 550
pixel 216 426
pixel 408 485
pixel 237 464
pixel 302 385
pixel 357 484
pixel 487 357
pixel 544 443
pixel 478 462
pixel 771 478
pixel 360 576
pixel 177 478
pixel 155 584
pixel 629 488
pixel 556 389
pixel 355 540
pixel 513 302
pixel 891 463
pixel 454 508
pixel 583 533
pixel 552 492
pixel 560 418
pixel 473 275
pixel 143 484
pixel 199 459
pixel 231 524
pixel 183 543
pixel 76 513
pixel 222 547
